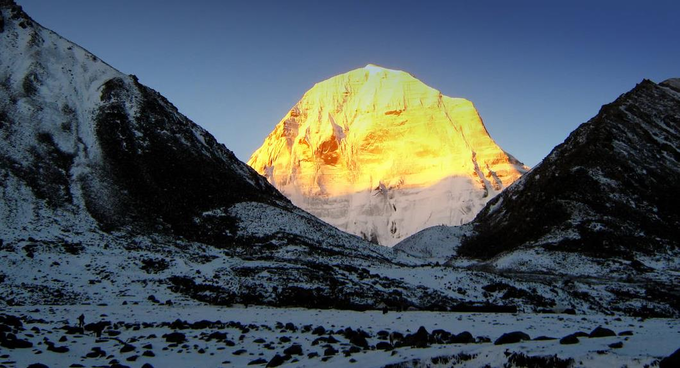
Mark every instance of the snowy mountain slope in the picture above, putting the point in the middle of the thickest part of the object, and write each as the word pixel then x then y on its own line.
pixel 609 190
pixel 437 243
pixel 602 206
pixel 94 164
pixel 377 153
pixel 86 140
pixel 110 196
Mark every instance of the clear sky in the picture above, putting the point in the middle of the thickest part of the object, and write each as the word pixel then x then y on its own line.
pixel 534 69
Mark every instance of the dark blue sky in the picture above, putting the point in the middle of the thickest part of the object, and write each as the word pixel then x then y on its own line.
pixel 535 70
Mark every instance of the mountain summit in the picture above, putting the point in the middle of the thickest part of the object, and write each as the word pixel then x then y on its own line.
pixel 378 153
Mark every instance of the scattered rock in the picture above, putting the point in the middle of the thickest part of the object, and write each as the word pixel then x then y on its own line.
pixel 616 345
pixel 10 341
pixel 330 351
pixel 175 337
pixel 569 340
pixel 294 349
pixel 602 332
pixel 276 361
pixel 360 341
pixel 420 339
pixel 217 335
pixel 258 361
pixel 10 320
pixel 626 333
pixel 37 365
pixel 512 338
pixel 462 338
pixel 544 338
pixel 384 345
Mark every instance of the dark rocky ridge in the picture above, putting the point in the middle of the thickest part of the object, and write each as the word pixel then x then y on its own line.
pixel 177 172
pixel 158 171
pixel 611 189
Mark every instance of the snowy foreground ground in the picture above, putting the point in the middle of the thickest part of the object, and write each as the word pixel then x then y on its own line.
pixel 135 337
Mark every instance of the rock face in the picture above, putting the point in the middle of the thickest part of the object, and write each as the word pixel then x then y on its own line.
pixel 377 153
pixel 87 147
pixel 609 190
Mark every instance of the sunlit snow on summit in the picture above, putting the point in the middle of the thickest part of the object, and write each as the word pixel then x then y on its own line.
pixel 378 153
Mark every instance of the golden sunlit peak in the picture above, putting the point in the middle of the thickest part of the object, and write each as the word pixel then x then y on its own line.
pixel 376 68
pixel 373 128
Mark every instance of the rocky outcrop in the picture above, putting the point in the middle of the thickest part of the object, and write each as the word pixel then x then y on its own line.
pixel 609 190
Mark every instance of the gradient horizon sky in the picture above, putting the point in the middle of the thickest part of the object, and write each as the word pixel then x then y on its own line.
pixel 535 70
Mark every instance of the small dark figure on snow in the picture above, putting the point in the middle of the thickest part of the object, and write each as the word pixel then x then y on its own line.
pixel 384 310
pixel 81 321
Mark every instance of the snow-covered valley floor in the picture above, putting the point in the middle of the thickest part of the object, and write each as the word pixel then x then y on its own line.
pixel 208 336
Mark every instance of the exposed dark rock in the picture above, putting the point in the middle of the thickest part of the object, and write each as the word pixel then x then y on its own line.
pixel 10 341
pixel 602 332
pixel 217 335
pixel 276 361
pixel 512 338
pixel 544 338
pixel 593 185
pixel 384 345
pixel 10 320
pixel 175 337
pixel 569 340
pixel 671 361
pixel 420 339
pixel 464 337
pixel 294 349
pixel 359 341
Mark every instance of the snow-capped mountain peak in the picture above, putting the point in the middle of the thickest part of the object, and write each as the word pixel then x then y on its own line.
pixel 378 153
